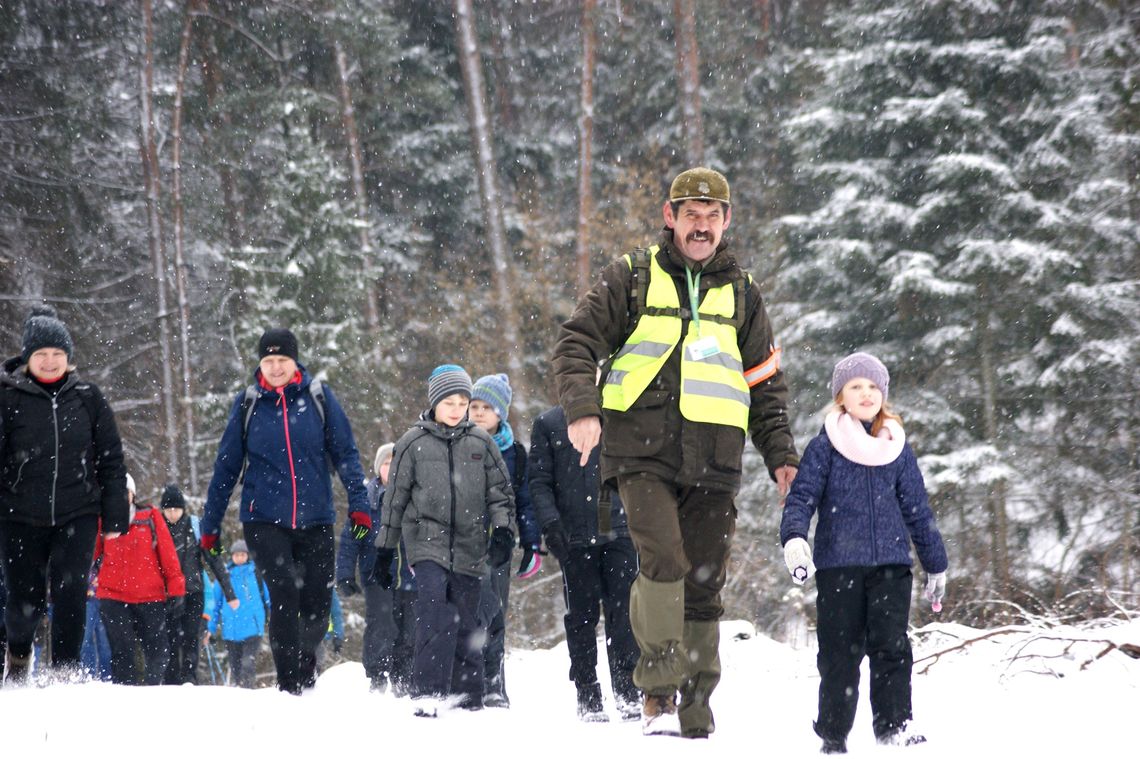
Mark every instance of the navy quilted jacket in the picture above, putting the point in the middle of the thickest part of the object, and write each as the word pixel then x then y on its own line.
pixel 868 515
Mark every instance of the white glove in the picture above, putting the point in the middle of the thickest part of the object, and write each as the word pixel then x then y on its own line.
pixel 797 555
pixel 935 590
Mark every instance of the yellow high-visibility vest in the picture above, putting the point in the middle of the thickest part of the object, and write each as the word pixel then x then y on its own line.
pixel 713 387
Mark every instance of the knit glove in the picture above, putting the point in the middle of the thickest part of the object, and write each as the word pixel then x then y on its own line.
pixel 347 587
pixel 935 590
pixel 556 541
pixel 531 561
pixel 361 524
pixel 797 556
pixel 209 544
pixel 502 542
pixel 381 573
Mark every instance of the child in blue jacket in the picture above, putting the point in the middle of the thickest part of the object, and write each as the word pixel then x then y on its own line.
pixel 242 626
pixel 862 478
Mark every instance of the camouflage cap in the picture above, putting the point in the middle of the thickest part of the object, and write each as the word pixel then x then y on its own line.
pixel 699 184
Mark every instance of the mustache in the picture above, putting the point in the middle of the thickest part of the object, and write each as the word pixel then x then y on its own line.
pixel 698 237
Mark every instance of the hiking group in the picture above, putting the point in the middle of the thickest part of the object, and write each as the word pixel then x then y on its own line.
pixel 662 372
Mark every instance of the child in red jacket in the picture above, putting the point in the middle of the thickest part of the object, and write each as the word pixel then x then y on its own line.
pixel 139 575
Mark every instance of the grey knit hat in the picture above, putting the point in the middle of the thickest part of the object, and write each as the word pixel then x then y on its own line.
pixel 495 391
pixel 860 365
pixel 239 546
pixel 445 380
pixel 43 329
pixel 383 453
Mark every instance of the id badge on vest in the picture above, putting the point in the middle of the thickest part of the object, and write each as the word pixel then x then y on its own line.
pixel 703 348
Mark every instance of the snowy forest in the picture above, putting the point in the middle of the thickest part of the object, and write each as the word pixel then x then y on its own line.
pixel 953 185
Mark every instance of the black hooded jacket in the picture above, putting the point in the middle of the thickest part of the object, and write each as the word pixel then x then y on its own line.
pixel 60 456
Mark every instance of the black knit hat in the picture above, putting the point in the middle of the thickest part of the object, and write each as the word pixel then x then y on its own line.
pixel 277 341
pixel 43 329
pixel 172 497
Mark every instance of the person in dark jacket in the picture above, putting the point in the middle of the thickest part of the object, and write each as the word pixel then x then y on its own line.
pixel 139 577
pixel 599 564
pixel 285 441
pixel 490 406
pixel 449 488
pixel 692 371
pixel 62 480
pixel 390 621
pixel 862 479
pixel 243 624
pixel 184 620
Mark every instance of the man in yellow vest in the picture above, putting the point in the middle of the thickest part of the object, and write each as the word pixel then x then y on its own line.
pixel 691 368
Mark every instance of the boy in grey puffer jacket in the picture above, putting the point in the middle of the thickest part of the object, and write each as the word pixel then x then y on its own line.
pixel 448 491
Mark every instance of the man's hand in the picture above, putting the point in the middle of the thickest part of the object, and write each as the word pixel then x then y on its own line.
pixel 784 477
pixel 584 434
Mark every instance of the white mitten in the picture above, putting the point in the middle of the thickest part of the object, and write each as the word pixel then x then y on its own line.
pixel 797 555
pixel 935 590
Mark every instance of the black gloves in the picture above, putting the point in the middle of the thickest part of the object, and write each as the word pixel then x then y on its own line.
pixel 556 541
pixel 175 605
pixel 347 587
pixel 502 542
pixel 338 644
pixel 381 573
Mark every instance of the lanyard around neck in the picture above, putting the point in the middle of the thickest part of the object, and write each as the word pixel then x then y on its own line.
pixel 694 283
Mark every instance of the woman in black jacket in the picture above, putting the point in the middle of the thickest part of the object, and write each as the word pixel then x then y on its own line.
pixel 61 476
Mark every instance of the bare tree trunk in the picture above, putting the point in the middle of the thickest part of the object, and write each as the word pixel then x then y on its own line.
pixel 470 63
pixel 689 80
pixel 360 199
pixel 996 500
pixel 586 144
pixel 149 152
pixel 179 258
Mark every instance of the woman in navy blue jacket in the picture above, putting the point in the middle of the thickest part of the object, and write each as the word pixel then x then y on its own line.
pixel 284 437
pixel 862 478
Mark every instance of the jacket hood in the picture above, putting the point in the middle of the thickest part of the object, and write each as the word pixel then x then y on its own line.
pixel 306 380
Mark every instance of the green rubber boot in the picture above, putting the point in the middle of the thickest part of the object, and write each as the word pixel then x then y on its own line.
pixel 702 642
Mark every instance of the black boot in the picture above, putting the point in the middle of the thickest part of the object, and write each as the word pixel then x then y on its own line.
pixel 17 669
pixel 590 703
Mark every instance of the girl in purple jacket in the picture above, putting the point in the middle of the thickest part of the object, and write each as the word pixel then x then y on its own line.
pixel 862 478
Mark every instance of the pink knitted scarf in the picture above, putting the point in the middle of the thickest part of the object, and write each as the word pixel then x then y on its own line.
pixel 853 443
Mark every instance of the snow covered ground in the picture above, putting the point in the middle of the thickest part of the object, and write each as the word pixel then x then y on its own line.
pixel 1019 692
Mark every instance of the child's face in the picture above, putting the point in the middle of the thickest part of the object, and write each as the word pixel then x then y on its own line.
pixel 172 515
pixel 483 414
pixel 385 469
pixel 451 410
pixel 862 398
pixel 240 558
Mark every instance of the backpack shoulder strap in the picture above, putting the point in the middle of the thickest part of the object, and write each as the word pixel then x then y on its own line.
pixel 520 466
pixel 317 390
pixel 248 402
pixel 196 526
pixel 90 397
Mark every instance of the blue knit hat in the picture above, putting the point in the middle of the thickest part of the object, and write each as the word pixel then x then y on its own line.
pixel 495 391
pixel 860 365
pixel 445 380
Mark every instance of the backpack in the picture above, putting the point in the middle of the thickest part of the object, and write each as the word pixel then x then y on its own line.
pixel 316 389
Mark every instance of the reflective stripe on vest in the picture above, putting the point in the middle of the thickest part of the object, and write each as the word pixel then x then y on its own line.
pixel 713 388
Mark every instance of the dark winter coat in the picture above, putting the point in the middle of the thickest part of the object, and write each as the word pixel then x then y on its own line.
pixel 140 566
pixel 447 490
pixel 56 461
pixel 287 479
pixel 516 460
pixel 191 556
pixel 562 489
pixel 652 436
pixel 355 556
pixel 868 515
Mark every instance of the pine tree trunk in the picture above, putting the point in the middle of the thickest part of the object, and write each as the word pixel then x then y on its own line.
pixel 149 154
pixel 689 80
pixel 470 64
pixel 586 144
pixel 996 499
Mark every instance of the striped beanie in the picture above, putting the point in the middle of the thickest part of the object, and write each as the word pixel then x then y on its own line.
pixel 495 391
pixel 445 380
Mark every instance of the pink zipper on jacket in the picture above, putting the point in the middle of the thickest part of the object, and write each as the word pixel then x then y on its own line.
pixel 289 450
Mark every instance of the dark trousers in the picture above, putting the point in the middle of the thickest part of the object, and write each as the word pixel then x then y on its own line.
pixel 33 557
pixel 681 533
pixel 404 649
pixel 449 642
pixel 184 629
pixel 243 661
pixel 596 579
pixel 298 569
pixel 131 625
pixel 379 631
pixel 494 598
pixel 863 611
pixel 96 650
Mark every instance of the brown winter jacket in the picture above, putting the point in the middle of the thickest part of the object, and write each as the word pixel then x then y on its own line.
pixel 652 436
